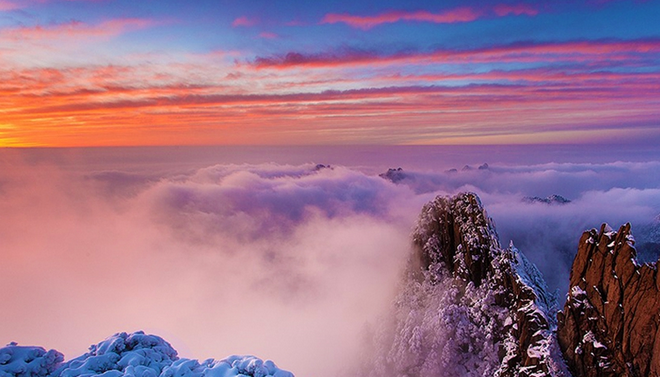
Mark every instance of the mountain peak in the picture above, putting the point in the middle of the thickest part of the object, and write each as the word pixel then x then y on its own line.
pixel 457 232
pixel 469 307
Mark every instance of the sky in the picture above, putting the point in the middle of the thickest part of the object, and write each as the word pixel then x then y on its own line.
pixel 126 73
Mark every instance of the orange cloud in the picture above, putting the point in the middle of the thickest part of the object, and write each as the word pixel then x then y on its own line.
pixel 335 99
pixel 139 114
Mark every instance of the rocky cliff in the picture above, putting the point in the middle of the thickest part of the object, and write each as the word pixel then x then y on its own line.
pixel 468 306
pixel 458 234
pixel 610 325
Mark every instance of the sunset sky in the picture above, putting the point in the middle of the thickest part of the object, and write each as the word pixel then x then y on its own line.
pixel 104 72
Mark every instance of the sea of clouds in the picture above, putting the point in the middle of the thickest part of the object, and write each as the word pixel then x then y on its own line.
pixel 286 261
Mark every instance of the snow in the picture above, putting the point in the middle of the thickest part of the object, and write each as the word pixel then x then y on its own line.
pixel 608 230
pixel 129 355
pixel 22 361
pixel 576 291
pixel 589 337
pixel 530 276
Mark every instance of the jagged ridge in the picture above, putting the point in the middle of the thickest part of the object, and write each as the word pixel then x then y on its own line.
pixel 610 325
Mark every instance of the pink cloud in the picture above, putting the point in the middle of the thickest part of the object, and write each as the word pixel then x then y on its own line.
pixel 268 35
pixel 6 5
pixel 518 9
pixel 367 22
pixel 244 21
pixel 462 14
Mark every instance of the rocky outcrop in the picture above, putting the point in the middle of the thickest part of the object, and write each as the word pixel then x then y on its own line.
pixel 394 175
pixel 455 234
pixel 552 199
pixel 610 325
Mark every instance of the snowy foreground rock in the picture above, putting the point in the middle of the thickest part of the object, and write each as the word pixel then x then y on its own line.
pixel 128 355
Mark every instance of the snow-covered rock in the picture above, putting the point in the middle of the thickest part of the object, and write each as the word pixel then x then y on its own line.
pixel 128 355
pixel 18 361
pixel 467 307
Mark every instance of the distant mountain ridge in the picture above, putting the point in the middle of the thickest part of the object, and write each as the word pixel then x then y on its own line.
pixel 552 199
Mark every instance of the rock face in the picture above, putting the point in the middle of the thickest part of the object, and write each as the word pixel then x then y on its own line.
pixel 610 325
pixel 468 307
pixel 457 233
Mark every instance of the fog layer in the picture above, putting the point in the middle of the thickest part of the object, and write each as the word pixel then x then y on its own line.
pixel 285 261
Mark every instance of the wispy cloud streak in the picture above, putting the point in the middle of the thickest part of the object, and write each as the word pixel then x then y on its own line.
pixel 523 52
pixel 518 9
pixel 348 96
pixel 521 92
pixel 456 15
pixel 368 22
pixel 75 29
